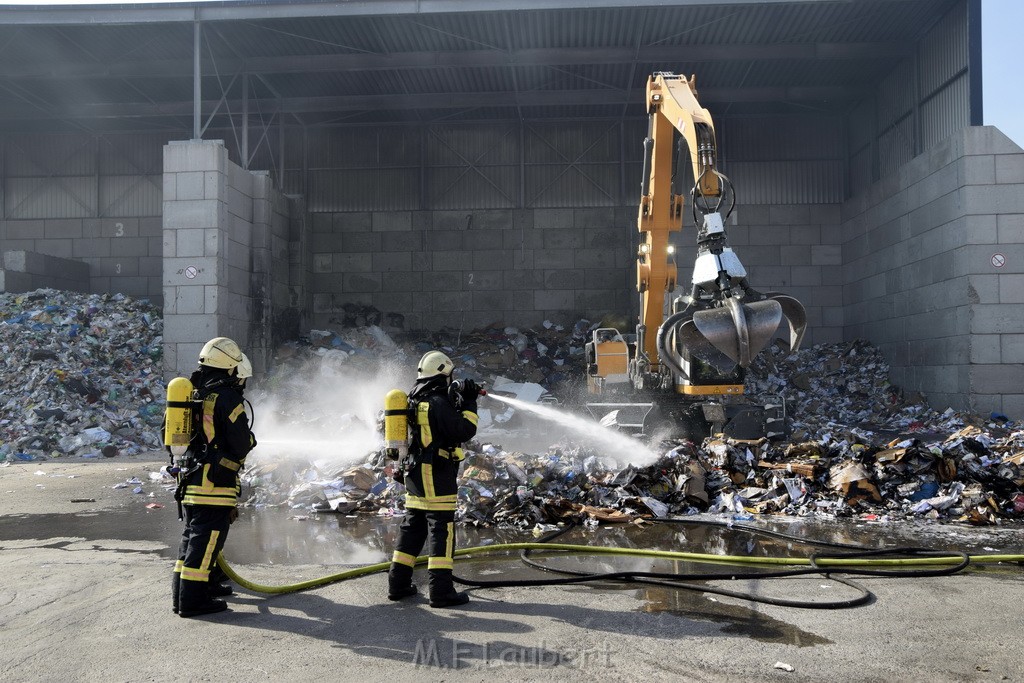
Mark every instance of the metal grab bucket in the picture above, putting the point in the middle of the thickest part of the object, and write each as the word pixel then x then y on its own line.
pixel 732 334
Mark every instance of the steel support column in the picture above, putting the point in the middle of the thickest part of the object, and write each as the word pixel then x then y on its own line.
pixel 280 147
pixel 197 81
pixel 245 121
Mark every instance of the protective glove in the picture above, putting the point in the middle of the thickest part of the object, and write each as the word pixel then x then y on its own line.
pixel 232 515
pixel 470 390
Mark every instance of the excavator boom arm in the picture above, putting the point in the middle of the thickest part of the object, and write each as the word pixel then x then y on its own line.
pixel 725 323
pixel 672 106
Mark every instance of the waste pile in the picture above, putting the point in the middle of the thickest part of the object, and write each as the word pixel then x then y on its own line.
pixel 857 446
pixel 82 379
pixel 549 354
pixel 81 375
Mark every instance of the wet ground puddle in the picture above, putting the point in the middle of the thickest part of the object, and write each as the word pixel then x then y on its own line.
pixel 296 538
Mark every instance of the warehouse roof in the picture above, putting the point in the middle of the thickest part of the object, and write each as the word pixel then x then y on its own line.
pixel 119 67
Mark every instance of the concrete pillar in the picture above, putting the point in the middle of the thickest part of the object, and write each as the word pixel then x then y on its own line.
pixel 221 227
pixel 195 236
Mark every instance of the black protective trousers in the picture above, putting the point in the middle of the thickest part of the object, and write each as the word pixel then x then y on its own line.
pixel 429 519
pixel 206 530
pixel 418 526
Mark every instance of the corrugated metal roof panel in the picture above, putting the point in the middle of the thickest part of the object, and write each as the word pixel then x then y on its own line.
pixel 582 143
pixel 572 77
pixel 443 32
pixel 679 26
pixel 552 186
pixel 363 148
pixel 781 138
pixel 944 52
pixel 896 145
pixel 360 190
pixel 946 113
pixel 131 154
pixel 135 42
pixel 789 182
pixel 64 197
pixel 580 112
pixel 494 187
pixel 586 28
pixel 49 155
pixel 895 94
pixel 787 23
pixel 128 195
pixel 307 36
pixel 480 145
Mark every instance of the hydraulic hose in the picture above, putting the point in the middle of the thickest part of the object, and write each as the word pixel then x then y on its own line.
pixel 862 561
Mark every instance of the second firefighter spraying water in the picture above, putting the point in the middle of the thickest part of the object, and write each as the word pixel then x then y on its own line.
pixel 438 415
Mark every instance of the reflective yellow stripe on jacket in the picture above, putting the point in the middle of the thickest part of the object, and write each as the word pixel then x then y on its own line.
pixel 209 494
pixel 430 500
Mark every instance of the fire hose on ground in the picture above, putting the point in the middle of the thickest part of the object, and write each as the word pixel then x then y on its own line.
pixel 851 561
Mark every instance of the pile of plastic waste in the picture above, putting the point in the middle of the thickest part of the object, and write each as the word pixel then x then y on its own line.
pixel 550 354
pixel 858 446
pixel 81 375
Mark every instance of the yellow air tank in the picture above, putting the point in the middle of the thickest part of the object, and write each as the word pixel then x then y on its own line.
pixel 396 423
pixel 178 416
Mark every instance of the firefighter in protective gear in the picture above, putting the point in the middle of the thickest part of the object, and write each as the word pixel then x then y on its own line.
pixel 438 428
pixel 209 488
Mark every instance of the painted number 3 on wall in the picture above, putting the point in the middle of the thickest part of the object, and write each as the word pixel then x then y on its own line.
pixel 118 229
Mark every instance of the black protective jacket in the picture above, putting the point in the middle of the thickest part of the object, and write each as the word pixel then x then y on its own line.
pixel 227 439
pixel 439 429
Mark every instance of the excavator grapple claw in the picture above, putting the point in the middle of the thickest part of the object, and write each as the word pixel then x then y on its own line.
pixel 795 315
pixel 731 334
pixel 739 330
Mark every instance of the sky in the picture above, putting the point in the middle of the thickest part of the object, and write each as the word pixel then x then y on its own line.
pixel 1002 22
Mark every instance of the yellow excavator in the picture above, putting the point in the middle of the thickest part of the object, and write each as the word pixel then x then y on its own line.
pixel 689 355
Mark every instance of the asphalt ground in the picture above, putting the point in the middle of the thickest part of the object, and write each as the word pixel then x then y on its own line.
pixel 85 597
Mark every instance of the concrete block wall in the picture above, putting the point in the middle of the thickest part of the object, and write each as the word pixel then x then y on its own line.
pixel 219 229
pixel 123 254
pixel 25 271
pixel 933 266
pixel 468 269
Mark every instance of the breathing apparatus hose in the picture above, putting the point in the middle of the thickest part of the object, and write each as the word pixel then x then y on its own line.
pixel 914 562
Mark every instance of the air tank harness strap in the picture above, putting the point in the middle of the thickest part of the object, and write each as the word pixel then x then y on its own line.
pixel 191 463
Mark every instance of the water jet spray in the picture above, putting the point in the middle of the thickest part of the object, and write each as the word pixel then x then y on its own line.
pixel 622 448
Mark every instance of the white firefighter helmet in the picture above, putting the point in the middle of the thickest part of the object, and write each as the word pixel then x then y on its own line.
pixel 244 370
pixel 434 363
pixel 221 352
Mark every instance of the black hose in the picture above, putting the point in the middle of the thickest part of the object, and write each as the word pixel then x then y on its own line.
pixel 680 580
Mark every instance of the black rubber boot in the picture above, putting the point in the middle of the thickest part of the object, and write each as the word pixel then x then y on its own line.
pixel 442 590
pixel 219 583
pixel 194 600
pixel 400 583
pixel 175 589
pixel 219 590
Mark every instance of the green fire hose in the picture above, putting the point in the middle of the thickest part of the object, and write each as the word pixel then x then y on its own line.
pixel 912 562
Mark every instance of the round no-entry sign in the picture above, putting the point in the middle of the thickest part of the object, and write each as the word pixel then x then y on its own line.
pixel 998 260
pixel 191 272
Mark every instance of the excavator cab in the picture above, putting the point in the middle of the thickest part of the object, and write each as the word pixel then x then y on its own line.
pixel 607 356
